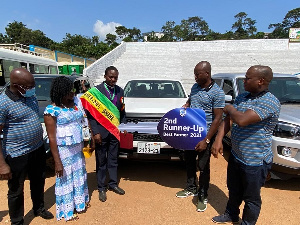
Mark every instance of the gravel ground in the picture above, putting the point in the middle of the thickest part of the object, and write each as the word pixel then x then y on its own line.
pixel 150 197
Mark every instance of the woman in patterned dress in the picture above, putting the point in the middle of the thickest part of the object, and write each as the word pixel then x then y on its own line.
pixel 64 120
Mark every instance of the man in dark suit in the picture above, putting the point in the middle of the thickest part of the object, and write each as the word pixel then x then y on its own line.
pixel 106 134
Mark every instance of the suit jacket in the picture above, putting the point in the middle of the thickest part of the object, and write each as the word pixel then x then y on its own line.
pixel 97 128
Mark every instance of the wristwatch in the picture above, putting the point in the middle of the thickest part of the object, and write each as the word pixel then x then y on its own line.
pixel 207 141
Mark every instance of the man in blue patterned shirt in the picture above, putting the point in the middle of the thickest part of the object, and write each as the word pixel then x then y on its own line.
pixel 253 117
pixel 206 95
pixel 22 152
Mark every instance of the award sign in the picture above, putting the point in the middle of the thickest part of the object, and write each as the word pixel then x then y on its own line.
pixel 183 128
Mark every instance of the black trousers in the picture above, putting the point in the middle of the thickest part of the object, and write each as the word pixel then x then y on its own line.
pixel 107 160
pixel 32 165
pixel 203 164
pixel 244 184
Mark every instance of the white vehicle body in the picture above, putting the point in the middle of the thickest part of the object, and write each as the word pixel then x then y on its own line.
pixel 286 136
pixel 144 108
pixel 10 60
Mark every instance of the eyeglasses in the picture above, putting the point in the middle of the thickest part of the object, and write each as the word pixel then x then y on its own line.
pixel 25 87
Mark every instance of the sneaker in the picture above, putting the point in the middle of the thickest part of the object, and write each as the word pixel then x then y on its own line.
pixel 186 193
pixel 202 205
pixel 224 218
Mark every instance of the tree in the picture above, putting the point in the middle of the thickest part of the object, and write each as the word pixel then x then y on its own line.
pixel 197 28
pixel 99 50
pixel 135 34
pixel 95 40
pixel 110 39
pixel 4 39
pixel 192 29
pixel 152 37
pixel 17 32
pixel 129 35
pixel 244 26
pixel 168 30
pixel 14 31
pixel 122 32
pixel 75 44
pixel 291 19
pixel 211 35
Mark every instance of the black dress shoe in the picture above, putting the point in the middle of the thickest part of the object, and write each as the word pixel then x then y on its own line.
pixel 118 190
pixel 102 196
pixel 44 214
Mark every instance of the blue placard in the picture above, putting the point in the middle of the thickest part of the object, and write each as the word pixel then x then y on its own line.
pixel 183 128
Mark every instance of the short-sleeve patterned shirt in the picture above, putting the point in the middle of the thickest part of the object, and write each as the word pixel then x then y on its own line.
pixel 252 144
pixel 207 99
pixel 22 131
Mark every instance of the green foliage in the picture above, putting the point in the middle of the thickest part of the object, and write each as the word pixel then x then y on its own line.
pixel 110 39
pixel 169 32
pixel 17 32
pixel 129 35
pixel 4 39
pixel 291 20
pixel 152 37
pixel 192 29
pixel 244 26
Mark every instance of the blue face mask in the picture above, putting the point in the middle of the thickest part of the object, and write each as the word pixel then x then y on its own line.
pixel 29 93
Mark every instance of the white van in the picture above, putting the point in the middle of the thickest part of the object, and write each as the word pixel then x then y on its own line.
pixel 286 136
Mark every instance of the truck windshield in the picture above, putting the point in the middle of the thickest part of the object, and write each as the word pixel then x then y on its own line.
pixel 154 89
pixel 286 89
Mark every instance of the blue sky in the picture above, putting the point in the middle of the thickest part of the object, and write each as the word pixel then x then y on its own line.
pixel 98 17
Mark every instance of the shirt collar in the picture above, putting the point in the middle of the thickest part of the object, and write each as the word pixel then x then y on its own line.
pixel 257 96
pixel 209 86
pixel 109 87
pixel 11 95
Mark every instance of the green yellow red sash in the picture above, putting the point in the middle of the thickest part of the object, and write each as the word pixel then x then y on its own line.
pixel 103 110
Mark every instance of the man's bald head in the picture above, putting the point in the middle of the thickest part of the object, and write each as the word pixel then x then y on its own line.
pixel 204 65
pixel 202 73
pixel 264 72
pixel 21 78
pixel 19 75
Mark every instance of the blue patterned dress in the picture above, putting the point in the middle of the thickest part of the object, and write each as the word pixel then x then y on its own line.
pixel 71 190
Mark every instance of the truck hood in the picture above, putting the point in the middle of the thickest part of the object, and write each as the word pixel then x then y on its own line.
pixel 290 113
pixel 148 106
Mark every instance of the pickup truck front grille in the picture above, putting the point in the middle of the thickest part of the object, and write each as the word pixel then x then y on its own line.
pixel 141 119
pixel 147 137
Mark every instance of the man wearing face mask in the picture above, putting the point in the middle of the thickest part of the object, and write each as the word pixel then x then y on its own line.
pixel 22 152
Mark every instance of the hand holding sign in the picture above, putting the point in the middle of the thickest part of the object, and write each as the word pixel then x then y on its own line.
pixel 183 128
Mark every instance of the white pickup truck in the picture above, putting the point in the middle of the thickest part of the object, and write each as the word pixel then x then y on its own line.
pixel 146 101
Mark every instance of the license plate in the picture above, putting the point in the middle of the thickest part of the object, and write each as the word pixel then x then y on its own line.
pixel 148 148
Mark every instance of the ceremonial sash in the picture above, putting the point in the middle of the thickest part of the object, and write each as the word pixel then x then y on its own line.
pixel 103 110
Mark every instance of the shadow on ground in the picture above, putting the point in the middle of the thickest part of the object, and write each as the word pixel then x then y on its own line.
pixel 3 214
pixel 160 172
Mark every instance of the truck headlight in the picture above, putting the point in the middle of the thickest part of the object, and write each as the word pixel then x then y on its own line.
pixel 287 130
